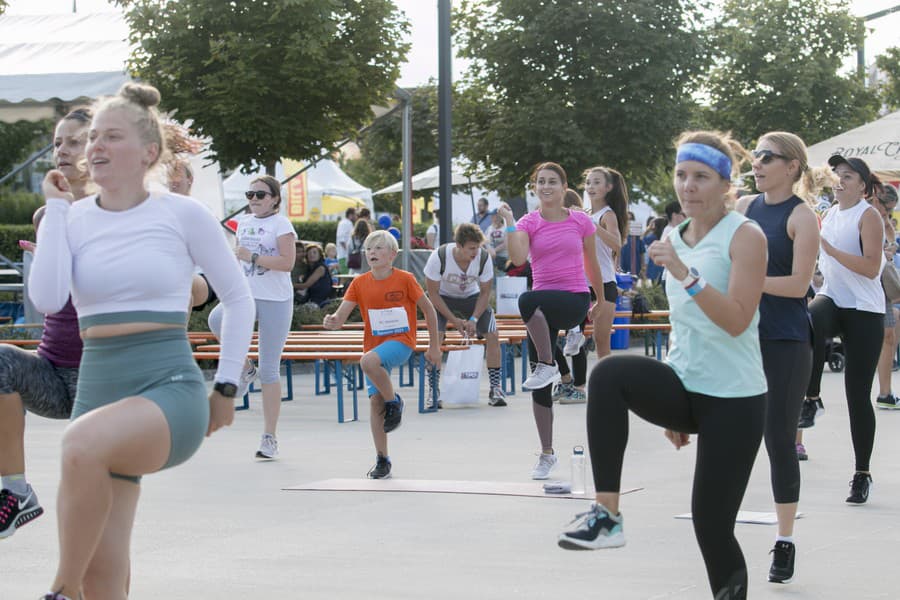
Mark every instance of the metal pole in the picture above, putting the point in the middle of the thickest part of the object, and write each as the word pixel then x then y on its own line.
pixel 445 151
pixel 406 207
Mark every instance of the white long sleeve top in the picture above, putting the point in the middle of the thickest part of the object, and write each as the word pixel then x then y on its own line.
pixel 140 260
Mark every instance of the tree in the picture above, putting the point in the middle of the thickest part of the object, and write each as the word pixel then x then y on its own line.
pixel 889 62
pixel 579 83
pixel 268 78
pixel 18 140
pixel 778 70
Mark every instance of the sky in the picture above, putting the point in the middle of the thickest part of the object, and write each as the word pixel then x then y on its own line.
pixel 423 56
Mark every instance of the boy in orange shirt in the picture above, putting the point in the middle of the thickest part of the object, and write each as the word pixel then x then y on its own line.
pixel 387 299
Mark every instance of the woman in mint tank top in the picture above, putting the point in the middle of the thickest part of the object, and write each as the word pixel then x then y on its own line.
pixel 712 382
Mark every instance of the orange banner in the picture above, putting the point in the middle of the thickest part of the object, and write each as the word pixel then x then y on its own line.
pixel 296 190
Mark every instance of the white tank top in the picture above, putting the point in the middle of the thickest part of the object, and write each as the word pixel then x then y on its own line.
pixel 848 289
pixel 604 252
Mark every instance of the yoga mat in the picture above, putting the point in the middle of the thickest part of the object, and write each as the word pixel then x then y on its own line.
pixel 435 486
pixel 749 516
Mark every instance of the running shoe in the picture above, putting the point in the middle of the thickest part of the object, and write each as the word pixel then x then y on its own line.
pixel 545 464
pixel 268 447
pixel 542 376
pixel 561 390
pixel 782 569
pixel 596 529
pixel 496 397
pixel 382 468
pixel 860 487
pixel 574 397
pixel 574 342
pixel 247 378
pixel 393 413
pixel 52 596
pixel 890 402
pixel 16 510
pixel 812 409
pixel 801 452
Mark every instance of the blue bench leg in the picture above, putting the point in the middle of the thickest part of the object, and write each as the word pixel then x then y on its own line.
pixel 658 344
pixel 245 404
pixel 524 360
pixel 339 372
pixel 289 377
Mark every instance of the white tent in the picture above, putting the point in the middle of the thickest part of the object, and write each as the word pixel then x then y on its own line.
pixel 322 192
pixel 430 179
pixel 61 57
pixel 877 143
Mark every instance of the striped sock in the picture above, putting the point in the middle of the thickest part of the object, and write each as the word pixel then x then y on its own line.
pixel 494 375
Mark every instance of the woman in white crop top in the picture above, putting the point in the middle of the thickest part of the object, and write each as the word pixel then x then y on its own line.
pixel 127 256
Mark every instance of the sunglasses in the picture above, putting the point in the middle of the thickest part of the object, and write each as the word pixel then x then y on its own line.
pixel 260 194
pixel 767 156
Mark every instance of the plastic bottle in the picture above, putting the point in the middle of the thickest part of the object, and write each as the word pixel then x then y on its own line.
pixel 578 467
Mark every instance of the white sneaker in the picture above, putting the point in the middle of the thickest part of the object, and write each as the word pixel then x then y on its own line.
pixel 574 342
pixel 542 376
pixel 545 464
pixel 268 447
pixel 247 378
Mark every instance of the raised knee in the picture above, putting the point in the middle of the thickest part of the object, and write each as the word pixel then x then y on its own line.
pixel 370 362
pixel 77 449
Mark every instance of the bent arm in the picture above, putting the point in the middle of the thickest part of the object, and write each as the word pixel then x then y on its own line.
pixel 50 280
pixel 871 232
pixel 311 279
pixel 608 231
pixel 284 260
pixel 803 227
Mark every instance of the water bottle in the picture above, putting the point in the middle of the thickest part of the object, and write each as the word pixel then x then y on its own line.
pixel 578 470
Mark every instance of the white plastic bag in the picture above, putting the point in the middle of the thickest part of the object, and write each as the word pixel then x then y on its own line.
pixel 462 375
pixel 508 291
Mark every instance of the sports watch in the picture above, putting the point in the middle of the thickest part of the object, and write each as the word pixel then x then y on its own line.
pixel 229 390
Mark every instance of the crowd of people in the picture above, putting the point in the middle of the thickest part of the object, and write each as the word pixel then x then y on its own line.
pixel 744 364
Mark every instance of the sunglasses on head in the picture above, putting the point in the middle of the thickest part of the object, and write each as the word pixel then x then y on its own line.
pixel 767 156
pixel 260 194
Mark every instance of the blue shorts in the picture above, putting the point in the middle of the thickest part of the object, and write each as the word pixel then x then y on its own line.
pixel 392 354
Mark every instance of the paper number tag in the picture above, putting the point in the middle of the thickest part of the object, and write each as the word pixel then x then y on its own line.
pixel 388 321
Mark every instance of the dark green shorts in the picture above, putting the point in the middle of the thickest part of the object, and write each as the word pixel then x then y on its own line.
pixel 156 365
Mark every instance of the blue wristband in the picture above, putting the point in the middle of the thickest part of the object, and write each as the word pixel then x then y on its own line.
pixel 696 287
pixel 472 318
pixel 510 229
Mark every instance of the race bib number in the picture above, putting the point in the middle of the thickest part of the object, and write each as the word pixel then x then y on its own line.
pixel 388 321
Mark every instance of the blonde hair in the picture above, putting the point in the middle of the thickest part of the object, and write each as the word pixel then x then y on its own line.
pixel 329 247
pixel 140 102
pixel 809 180
pixel 381 235
pixel 727 145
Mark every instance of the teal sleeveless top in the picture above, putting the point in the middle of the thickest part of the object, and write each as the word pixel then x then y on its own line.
pixel 706 358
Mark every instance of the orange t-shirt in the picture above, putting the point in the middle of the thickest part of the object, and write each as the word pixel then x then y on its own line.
pixel 400 290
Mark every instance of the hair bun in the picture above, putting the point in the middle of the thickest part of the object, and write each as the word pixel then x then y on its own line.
pixel 141 94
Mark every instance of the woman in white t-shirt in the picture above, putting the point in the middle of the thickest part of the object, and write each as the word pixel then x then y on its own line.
pixel 266 251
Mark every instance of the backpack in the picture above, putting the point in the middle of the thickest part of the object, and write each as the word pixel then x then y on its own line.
pixel 354 257
pixel 442 257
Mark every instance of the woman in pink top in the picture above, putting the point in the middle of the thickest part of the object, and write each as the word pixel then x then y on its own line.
pixel 561 245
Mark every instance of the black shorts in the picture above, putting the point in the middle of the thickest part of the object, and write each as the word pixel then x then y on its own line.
pixel 210 298
pixel 610 291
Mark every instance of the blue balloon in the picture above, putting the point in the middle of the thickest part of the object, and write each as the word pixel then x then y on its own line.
pixel 394 232
pixel 384 221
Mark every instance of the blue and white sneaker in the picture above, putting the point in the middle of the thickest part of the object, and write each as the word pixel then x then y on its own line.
pixel 393 413
pixel 596 529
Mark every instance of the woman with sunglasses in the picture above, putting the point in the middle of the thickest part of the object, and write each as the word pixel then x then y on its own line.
pixel 783 210
pixel 712 382
pixel 266 252
pixel 851 304
pixel 127 256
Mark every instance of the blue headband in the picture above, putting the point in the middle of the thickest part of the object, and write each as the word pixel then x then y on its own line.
pixel 709 156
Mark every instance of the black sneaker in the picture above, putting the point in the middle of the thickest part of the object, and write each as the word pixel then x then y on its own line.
pixel 16 511
pixel 782 569
pixel 393 413
pixel 382 468
pixel 890 402
pixel 860 488
pixel 812 408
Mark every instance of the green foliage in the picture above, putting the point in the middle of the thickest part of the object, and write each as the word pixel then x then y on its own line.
pixel 579 83
pixel 889 62
pixel 655 294
pixel 268 78
pixel 16 208
pixel 778 66
pixel 9 240
pixel 316 231
pixel 18 140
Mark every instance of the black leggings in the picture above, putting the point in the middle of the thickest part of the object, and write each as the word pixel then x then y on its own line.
pixel 563 311
pixel 863 334
pixel 787 364
pixel 579 363
pixel 730 431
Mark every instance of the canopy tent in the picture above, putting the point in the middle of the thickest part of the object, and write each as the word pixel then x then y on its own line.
pixel 59 57
pixel 877 143
pixel 323 190
pixel 430 179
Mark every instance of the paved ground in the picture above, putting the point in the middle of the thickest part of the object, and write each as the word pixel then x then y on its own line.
pixel 222 527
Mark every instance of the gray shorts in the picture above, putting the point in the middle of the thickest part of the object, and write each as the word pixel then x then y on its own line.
pixel 46 390
pixel 464 308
